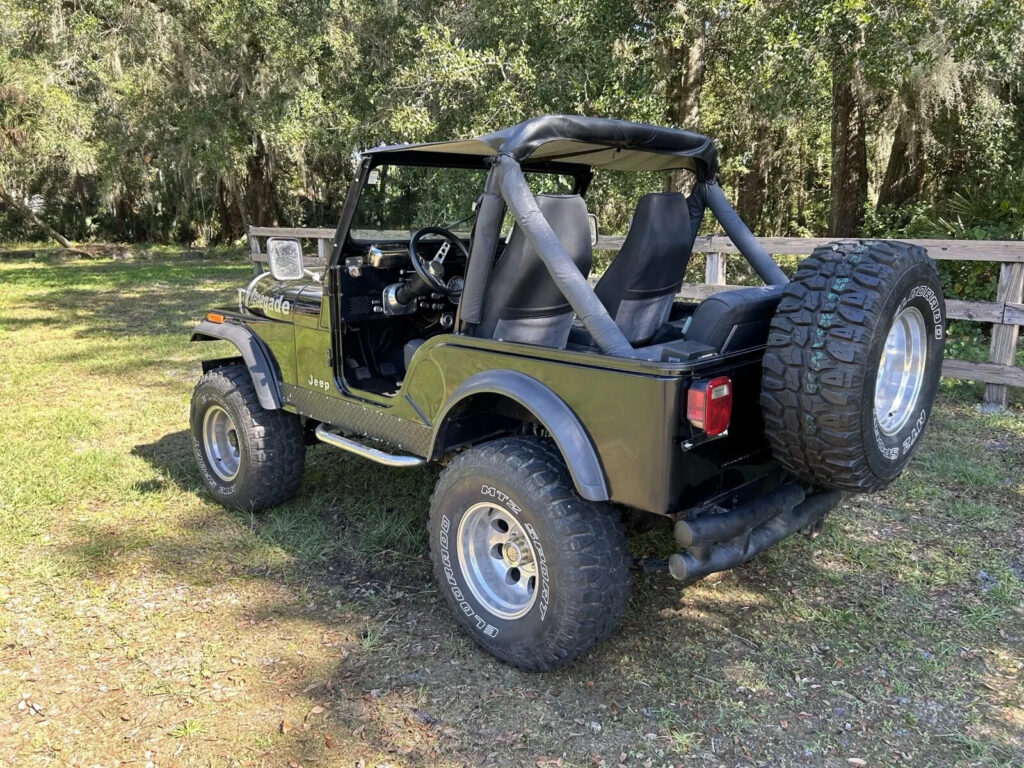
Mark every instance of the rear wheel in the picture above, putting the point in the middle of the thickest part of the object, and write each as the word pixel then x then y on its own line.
pixel 853 363
pixel 534 573
pixel 249 458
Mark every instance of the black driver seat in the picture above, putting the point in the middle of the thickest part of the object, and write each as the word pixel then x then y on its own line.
pixel 522 303
pixel 639 285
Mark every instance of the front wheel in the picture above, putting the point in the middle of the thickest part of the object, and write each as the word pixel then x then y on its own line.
pixel 534 573
pixel 250 458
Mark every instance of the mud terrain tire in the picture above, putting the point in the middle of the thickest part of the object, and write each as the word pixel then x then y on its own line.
pixel 517 491
pixel 829 417
pixel 264 449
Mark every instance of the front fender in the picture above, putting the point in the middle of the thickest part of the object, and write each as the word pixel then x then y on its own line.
pixel 257 359
pixel 551 411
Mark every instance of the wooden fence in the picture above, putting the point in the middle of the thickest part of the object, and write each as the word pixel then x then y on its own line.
pixel 1006 313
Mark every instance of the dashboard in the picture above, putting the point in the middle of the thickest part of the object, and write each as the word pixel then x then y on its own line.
pixel 369 281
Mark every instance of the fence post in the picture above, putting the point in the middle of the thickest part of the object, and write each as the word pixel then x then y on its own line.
pixel 1004 337
pixel 254 242
pixel 714 269
pixel 254 250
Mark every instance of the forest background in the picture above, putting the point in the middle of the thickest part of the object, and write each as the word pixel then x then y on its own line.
pixel 184 121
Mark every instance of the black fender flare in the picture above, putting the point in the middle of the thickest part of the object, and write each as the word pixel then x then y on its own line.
pixel 551 411
pixel 255 356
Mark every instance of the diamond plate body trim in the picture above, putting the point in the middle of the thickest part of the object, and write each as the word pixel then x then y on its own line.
pixel 366 421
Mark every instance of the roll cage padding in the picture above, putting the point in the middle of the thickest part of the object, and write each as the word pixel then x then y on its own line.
pixel 553 414
pixel 745 242
pixel 567 276
pixel 261 369
pixel 696 205
pixel 486 233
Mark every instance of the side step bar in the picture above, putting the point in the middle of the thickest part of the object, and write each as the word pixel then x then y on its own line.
pixel 324 435
pixel 720 542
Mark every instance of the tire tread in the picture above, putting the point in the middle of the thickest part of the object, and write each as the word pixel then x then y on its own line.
pixel 589 534
pixel 813 372
pixel 275 439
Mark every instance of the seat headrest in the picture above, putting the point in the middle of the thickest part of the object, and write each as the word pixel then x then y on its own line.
pixel 651 207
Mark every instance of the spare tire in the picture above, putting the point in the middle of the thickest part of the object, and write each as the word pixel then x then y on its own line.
pixel 853 362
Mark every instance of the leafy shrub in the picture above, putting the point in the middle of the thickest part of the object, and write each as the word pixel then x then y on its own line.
pixel 988 211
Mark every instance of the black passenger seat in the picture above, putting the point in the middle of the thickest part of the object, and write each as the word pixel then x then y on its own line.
pixel 734 320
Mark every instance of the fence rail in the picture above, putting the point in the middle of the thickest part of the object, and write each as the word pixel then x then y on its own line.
pixel 1006 313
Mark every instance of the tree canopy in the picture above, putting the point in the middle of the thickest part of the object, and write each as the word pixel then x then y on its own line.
pixel 186 120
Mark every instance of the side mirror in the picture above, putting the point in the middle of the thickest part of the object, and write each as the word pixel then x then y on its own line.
pixel 594 233
pixel 285 257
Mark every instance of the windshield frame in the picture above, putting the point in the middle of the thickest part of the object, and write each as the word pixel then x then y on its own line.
pixel 354 225
pixel 345 243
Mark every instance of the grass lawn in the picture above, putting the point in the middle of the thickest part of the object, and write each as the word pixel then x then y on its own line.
pixel 143 625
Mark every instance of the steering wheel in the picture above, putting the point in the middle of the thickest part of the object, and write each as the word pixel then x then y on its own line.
pixel 432 272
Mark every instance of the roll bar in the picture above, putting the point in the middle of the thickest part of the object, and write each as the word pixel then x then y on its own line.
pixel 563 270
pixel 578 292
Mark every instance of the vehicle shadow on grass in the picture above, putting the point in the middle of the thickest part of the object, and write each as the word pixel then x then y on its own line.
pixel 815 652
pixel 346 509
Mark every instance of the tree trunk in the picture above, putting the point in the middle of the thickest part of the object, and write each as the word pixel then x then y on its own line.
pixel 35 220
pixel 904 174
pixel 125 217
pixel 684 81
pixel 849 151
pixel 260 187
pixel 754 180
pixel 239 198
pixel 231 224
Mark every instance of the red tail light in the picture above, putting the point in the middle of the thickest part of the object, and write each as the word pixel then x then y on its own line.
pixel 709 404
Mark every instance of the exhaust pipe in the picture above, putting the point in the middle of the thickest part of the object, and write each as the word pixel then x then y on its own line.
pixel 709 528
pixel 687 566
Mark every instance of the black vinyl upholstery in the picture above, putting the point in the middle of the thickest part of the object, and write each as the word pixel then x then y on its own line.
pixel 522 303
pixel 638 287
pixel 731 320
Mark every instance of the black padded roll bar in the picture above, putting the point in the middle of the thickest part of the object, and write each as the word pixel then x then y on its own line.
pixel 696 205
pixel 563 270
pixel 759 258
pixel 486 234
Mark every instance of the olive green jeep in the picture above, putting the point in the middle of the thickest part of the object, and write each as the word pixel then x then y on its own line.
pixel 563 408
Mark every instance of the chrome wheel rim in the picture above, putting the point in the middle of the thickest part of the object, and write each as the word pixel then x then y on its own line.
pixel 900 371
pixel 220 443
pixel 498 560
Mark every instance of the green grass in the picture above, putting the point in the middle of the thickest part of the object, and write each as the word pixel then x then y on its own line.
pixel 188 728
pixel 139 618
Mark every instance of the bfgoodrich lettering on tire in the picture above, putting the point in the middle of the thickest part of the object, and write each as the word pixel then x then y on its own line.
pixel 853 362
pixel 249 458
pixel 535 573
